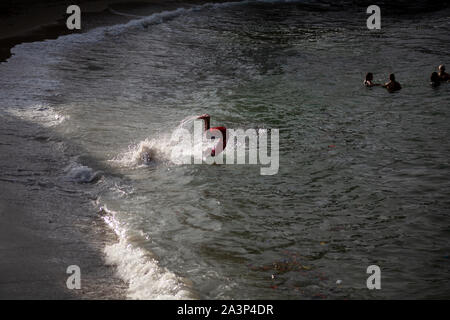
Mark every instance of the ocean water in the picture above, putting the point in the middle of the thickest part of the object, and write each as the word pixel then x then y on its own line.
pixel 364 175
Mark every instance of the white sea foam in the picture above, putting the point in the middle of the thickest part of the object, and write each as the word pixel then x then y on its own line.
pixel 138 267
pixel 44 115
pixel 124 14
pixel 160 149
pixel 146 152
pixel 82 174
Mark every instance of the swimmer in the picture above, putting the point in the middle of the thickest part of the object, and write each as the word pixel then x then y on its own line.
pixel 147 156
pixel 435 80
pixel 392 85
pixel 368 82
pixel 444 76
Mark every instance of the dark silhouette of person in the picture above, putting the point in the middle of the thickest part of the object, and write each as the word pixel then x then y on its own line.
pixel 368 82
pixel 435 79
pixel 392 85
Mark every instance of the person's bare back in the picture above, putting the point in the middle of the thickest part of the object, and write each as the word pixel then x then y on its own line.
pixel 392 85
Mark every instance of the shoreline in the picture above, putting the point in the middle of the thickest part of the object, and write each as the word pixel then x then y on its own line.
pixel 31 21
pixel 43 22
pixel 47 225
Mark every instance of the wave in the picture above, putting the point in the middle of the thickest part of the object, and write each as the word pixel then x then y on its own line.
pixel 44 115
pixel 124 14
pixel 140 22
pixel 81 174
pixel 139 268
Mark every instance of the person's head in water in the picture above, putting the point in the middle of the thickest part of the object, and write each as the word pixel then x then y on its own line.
pixel 441 68
pixel 368 81
pixel 392 85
